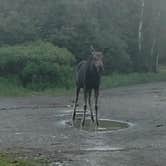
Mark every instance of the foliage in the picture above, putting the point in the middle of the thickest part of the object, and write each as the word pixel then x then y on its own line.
pixel 37 65
pixel 12 87
pixel 110 25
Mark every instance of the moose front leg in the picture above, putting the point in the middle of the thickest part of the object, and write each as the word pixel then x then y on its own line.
pixel 96 105
pixel 76 102
pixel 90 105
pixel 85 106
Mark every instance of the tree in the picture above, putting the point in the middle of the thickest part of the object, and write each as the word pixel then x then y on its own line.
pixel 129 32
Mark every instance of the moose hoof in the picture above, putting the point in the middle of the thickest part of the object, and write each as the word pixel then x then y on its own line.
pixel 83 122
pixel 73 117
pixel 97 123
pixel 92 119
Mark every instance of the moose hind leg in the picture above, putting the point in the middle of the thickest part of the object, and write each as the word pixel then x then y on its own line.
pixel 76 102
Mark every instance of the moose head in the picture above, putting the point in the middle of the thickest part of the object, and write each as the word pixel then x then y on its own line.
pixel 97 59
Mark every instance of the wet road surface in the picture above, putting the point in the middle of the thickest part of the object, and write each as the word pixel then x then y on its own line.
pixel 40 127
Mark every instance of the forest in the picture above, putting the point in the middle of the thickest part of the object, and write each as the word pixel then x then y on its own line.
pixel 41 41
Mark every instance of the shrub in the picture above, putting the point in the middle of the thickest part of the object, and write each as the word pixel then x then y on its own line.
pixel 37 65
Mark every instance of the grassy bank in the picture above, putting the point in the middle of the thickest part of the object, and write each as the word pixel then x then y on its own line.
pixel 6 160
pixel 12 87
pixel 116 80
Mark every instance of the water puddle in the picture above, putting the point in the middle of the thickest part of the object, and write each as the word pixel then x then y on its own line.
pixel 103 149
pixel 104 125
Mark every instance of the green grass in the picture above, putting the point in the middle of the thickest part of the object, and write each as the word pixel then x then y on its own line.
pixel 117 80
pixel 12 87
pixel 6 160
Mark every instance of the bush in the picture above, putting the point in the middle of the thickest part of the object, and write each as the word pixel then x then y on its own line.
pixel 37 65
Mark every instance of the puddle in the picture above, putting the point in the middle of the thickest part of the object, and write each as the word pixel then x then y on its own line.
pixel 104 125
pixel 103 148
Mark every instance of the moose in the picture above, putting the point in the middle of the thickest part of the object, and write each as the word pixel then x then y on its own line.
pixel 88 75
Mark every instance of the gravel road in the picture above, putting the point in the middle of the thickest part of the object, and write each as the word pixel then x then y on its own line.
pixel 38 127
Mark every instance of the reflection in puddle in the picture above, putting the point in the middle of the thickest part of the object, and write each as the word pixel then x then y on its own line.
pixel 104 125
pixel 103 148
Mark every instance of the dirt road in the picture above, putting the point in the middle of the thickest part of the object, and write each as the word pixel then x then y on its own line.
pixel 36 127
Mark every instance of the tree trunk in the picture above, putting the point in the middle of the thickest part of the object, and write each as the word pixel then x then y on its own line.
pixel 152 54
pixel 157 63
pixel 155 44
pixel 158 50
pixel 140 29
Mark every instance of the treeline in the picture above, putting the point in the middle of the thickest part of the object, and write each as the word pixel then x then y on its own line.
pixel 131 33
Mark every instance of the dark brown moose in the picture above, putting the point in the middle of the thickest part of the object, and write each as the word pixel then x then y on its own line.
pixel 88 75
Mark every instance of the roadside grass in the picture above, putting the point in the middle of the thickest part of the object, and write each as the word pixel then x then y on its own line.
pixel 6 160
pixel 117 80
pixel 12 87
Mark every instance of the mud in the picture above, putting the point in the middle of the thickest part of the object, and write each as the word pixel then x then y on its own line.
pixel 40 127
